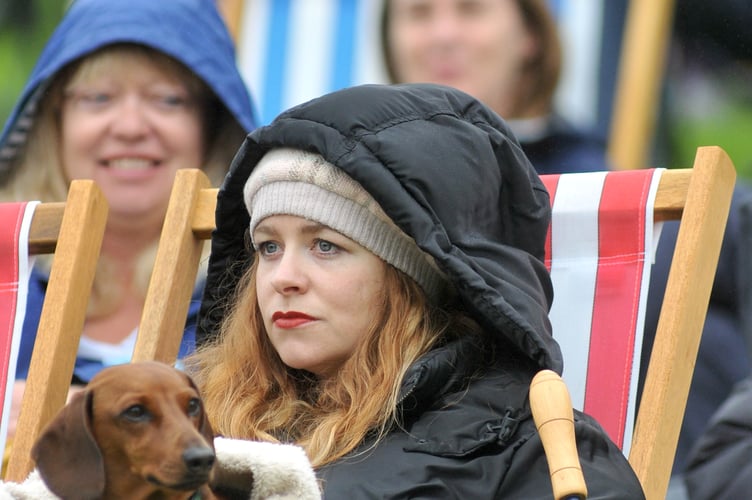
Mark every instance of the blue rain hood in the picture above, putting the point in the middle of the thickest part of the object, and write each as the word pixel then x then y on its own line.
pixel 190 31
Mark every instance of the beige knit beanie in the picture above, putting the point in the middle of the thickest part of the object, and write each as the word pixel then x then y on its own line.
pixel 295 182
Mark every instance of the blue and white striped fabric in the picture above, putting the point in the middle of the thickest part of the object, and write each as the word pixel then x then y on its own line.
pixel 291 51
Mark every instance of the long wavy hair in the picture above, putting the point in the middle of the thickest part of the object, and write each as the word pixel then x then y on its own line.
pixel 37 172
pixel 250 393
pixel 541 75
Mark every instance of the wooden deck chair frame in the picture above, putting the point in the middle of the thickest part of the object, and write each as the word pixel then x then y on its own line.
pixel 73 232
pixel 700 197
pixel 188 224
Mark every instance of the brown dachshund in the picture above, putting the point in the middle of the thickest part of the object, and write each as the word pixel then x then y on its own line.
pixel 136 431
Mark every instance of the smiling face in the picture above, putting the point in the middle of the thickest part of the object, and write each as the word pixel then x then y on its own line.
pixel 319 292
pixel 478 46
pixel 129 123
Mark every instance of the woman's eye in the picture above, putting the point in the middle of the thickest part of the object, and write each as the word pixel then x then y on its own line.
pixel 267 248
pixel 473 8
pixel 97 98
pixel 325 246
pixel 91 99
pixel 418 11
pixel 171 100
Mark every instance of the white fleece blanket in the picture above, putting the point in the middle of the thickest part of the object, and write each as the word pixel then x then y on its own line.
pixel 280 472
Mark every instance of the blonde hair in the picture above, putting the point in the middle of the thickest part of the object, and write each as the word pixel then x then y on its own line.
pixel 37 171
pixel 249 393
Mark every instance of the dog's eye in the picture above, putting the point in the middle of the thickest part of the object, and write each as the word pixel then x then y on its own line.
pixel 136 413
pixel 194 407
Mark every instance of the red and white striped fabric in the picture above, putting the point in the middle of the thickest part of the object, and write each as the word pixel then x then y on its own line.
pixel 601 236
pixel 15 267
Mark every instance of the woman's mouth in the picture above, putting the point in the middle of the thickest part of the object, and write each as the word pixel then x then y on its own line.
pixel 130 164
pixel 290 319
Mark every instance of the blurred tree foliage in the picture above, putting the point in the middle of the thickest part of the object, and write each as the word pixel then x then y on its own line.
pixel 25 26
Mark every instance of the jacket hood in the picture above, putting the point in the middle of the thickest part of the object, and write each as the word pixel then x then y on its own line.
pixel 447 171
pixel 171 27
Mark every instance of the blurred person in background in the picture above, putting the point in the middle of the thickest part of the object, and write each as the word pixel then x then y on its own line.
pixel 123 94
pixel 507 53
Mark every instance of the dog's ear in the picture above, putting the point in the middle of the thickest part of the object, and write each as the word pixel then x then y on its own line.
pixel 205 427
pixel 67 456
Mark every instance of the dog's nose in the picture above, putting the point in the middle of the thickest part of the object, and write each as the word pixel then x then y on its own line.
pixel 198 458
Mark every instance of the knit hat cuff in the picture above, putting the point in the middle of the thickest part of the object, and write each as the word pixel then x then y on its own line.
pixel 379 235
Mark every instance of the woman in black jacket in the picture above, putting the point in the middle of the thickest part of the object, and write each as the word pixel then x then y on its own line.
pixel 376 294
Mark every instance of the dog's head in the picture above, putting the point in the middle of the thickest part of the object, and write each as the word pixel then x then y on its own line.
pixel 136 429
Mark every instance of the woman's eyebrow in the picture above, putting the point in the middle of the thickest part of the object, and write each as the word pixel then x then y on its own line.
pixel 307 227
pixel 312 227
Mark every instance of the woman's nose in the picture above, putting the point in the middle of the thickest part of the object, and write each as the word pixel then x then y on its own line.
pixel 130 119
pixel 444 25
pixel 289 274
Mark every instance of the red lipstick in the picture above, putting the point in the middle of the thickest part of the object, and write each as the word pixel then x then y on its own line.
pixel 290 319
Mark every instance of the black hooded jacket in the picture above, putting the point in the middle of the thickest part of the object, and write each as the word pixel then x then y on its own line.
pixel 719 466
pixel 449 173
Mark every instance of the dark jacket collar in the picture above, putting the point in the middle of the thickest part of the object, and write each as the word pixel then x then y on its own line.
pixel 459 397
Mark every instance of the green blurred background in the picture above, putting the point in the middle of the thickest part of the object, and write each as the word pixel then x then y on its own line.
pixel 714 108
pixel 25 26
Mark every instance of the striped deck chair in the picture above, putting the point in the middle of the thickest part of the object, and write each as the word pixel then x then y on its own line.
pixel 599 253
pixel 15 268
pixel 72 231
